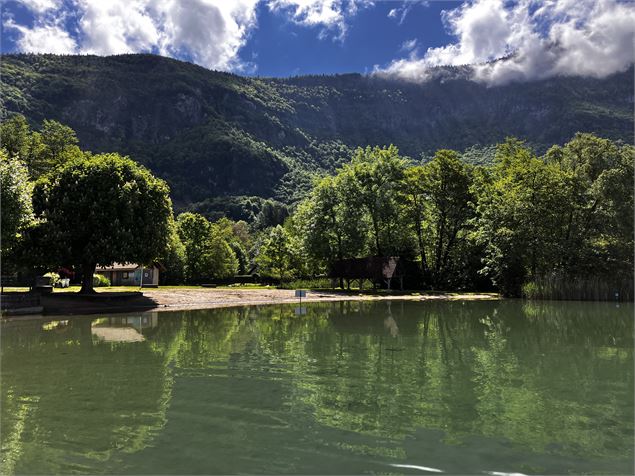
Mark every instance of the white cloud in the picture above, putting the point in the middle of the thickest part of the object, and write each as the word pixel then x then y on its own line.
pixel 409 45
pixel 210 32
pixel 400 13
pixel 329 14
pixel 539 38
pixel 43 38
pixel 41 6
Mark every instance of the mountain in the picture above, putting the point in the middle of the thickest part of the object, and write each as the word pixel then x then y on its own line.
pixel 213 134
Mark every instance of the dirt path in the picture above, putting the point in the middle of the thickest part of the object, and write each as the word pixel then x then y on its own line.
pixel 171 299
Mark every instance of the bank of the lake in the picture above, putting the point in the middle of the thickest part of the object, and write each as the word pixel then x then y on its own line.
pixel 176 298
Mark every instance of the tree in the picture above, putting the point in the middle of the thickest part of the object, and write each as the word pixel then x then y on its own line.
pixel 371 182
pixel 415 195
pixel 16 137
pixel 101 210
pixel 57 146
pixel 329 224
pixel 278 255
pixel 42 152
pixel 597 231
pixel 520 216
pixel 15 202
pixel 447 181
pixel 173 259
pixel 208 255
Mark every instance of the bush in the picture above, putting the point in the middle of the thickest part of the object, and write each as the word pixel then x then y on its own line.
pixel 99 280
pixel 55 278
pixel 531 291
pixel 315 283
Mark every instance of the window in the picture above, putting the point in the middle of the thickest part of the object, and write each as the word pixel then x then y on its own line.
pixel 125 275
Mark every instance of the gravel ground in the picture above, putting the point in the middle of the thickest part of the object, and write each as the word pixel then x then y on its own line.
pixel 171 299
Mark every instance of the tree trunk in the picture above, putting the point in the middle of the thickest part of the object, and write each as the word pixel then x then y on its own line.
pixel 422 250
pixel 88 270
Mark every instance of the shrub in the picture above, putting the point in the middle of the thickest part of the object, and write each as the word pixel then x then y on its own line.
pixel 99 280
pixel 314 283
pixel 531 291
pixel 55 278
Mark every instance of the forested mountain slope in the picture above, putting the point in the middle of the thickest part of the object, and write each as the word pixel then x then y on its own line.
pixel 216 134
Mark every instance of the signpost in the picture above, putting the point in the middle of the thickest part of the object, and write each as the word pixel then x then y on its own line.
pixel 300 293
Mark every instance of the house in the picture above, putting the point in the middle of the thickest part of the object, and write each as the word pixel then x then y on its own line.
pixel 129 274
pixel 376 269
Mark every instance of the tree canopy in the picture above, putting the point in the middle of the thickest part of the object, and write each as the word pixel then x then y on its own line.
pixel 101 210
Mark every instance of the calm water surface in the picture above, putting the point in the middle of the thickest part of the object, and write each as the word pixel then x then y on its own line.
pixel 417 388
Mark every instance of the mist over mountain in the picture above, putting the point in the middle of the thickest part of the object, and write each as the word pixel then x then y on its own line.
pixel 212 134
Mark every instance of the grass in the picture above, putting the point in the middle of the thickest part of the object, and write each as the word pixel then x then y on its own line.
pixel 119 289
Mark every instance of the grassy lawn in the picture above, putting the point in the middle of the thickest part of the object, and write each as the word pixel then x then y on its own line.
pixel 119 289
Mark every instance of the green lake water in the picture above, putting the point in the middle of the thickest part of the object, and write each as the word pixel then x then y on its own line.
pixel 334 388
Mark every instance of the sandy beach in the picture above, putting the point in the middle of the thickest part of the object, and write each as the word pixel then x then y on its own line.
pixel 170 300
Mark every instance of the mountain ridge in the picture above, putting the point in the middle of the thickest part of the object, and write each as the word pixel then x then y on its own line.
pixel 213 134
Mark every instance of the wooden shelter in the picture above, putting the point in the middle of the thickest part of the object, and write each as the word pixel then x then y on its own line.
pixel 376 269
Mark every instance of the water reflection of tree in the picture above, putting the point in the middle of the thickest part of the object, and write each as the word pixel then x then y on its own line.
pixel 70 403
pixel 508 370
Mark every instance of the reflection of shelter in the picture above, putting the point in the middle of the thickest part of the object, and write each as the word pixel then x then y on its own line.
pixel 129 274
pixel 124 329
pixel 376 269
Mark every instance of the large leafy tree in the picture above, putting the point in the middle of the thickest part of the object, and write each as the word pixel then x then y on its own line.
pixel 371 183
pixel 597 226
pixel 208 255
pixel 279 255
pixel 520 216
pixel 329 223
pixel 173 259
pixel 438 202
pixel 15 202
pixel 53 146
pixel 103 209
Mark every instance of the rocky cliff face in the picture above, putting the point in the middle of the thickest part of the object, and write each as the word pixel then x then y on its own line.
pixel 212 134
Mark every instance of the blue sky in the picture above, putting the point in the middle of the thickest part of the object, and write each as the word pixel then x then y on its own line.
pixel 539 38
pixel 283 47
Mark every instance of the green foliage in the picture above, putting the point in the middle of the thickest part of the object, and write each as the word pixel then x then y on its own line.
pixel 15 200
pixel 266 212
pixel 279 255
pixel 557 213
pixel 438 203
pixel 55 278
pixel 100 281
pixel 208 255
pixel 313 283
pixel 101 210
pixel 211 134
pixel 173 259
pixel 53 146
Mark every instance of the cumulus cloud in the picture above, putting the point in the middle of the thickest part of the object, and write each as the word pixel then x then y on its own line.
pixel 331 15
pixel 40 6
pixel 536 39
pixel 209 32
pixel 43 38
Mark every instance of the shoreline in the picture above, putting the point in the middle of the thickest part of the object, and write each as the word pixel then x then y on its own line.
pixel 158 300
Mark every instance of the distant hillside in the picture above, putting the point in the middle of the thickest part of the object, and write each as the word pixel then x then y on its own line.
pixel 216 134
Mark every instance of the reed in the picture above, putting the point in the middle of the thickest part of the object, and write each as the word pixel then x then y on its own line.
pixel 592 288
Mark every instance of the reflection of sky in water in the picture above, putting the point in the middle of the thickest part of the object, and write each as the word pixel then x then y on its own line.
pixel 489 387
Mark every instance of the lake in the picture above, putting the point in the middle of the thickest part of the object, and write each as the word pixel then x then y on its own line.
pixel 332 388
